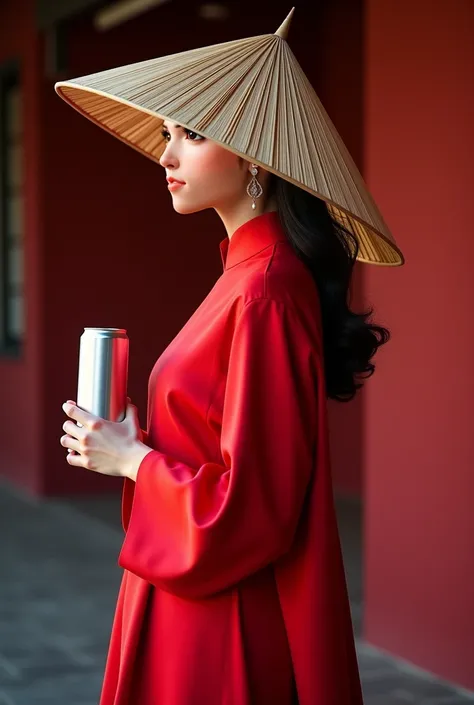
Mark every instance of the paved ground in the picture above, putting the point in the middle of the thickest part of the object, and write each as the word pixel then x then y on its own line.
pixel 58 583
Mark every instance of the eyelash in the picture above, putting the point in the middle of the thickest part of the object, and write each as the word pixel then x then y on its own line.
pixel 166 134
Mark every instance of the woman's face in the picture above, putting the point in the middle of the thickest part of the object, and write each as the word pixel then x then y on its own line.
pixel 213 177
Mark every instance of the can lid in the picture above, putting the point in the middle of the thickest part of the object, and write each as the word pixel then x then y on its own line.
pixel 119 331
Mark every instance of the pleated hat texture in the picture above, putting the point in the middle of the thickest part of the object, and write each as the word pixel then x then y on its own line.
pixel 252 97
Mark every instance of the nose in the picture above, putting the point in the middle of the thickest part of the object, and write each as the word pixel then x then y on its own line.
pixel 168 159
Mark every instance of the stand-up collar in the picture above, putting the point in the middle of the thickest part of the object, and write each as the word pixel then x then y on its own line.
pixel 250 238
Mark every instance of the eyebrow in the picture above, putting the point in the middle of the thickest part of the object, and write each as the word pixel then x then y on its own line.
pixel 176 127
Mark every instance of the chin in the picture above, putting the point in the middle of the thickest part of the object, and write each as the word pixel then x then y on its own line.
pixel 185 208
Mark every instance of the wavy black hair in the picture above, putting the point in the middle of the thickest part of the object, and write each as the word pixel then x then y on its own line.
pixel 330 251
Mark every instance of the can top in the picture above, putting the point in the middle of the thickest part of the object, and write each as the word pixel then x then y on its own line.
pixel 108 331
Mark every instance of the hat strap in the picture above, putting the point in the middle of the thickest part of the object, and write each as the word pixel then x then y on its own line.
pixel 254 189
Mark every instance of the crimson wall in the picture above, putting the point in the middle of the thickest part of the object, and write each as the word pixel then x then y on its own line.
pixel 419 149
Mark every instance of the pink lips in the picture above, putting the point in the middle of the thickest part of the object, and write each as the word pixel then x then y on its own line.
pixel 173 185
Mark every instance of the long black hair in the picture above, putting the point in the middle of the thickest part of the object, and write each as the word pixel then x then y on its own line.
pixel 330 251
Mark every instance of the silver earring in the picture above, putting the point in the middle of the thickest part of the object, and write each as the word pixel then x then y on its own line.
pixel 254 189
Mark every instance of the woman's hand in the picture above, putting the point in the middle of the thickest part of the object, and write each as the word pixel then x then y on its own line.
pixel 103 446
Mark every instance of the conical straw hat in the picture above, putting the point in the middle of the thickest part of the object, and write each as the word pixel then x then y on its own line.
pixel 252 97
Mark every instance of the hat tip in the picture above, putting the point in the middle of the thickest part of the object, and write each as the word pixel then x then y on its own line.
pixel 282 30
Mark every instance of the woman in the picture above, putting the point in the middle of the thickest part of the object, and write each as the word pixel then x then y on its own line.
pixel 233 590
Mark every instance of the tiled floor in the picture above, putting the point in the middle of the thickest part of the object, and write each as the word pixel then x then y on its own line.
pixel 58 583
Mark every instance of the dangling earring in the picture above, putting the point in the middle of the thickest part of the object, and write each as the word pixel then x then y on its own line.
pixel 254 189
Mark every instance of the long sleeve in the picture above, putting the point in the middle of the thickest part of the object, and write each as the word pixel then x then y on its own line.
pixel 196 531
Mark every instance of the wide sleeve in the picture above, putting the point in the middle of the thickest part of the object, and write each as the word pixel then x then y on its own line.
pixel 196 530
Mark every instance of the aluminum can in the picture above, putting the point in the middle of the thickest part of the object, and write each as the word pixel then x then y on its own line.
pixel 103 372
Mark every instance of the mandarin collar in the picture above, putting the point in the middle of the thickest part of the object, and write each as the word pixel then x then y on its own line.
pixel 251 238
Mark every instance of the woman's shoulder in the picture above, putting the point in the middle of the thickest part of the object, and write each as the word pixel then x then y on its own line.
pixel 281 276
pixel 280 281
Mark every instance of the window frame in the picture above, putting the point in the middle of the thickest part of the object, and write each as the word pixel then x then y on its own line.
pixel 10 347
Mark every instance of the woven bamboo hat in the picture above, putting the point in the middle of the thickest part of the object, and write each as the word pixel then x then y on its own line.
pixel 252 97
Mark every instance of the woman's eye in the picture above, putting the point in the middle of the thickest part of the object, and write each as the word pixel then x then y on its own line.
pixel 193 138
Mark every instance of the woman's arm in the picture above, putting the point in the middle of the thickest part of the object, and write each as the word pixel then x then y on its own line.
pixel 195 531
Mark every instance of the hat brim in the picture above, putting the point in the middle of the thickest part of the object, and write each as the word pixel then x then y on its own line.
pixel 252 98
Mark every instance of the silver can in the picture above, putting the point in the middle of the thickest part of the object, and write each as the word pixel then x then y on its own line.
pixel 103 372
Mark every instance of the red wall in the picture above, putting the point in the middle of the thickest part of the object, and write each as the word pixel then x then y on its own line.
pixel 21 413
pixel 419 527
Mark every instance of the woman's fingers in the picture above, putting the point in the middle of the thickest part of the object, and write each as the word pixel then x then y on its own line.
pixel 71 443
pixel 82 417
pixel 75 431
pixel 80 461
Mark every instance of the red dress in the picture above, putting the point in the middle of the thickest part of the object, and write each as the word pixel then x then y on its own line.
pixel 234 591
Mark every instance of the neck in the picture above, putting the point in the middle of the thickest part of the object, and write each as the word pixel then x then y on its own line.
pixel 235 217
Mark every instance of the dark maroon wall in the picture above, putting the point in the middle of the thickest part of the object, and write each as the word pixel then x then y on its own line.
pixel 116 253
pixel 339 81
pixel 104 245
pixel 21 412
